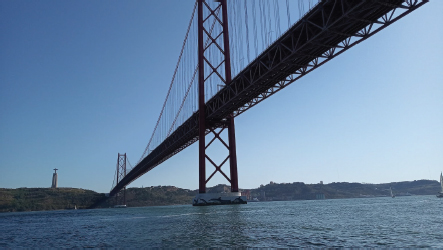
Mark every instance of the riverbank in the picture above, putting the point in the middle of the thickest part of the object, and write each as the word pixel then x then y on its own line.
pixel 39 199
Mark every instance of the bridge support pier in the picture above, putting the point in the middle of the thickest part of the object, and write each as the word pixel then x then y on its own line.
pixel 205 126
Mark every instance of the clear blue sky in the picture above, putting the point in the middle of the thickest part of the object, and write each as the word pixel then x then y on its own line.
pixel 81 81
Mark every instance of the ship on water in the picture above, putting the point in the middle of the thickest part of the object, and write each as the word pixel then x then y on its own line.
pixel 440 194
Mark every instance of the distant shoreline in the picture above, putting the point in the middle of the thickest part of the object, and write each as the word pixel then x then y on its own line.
pixel 48 199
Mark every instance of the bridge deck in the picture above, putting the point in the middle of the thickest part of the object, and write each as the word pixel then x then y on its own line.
pixel 323 33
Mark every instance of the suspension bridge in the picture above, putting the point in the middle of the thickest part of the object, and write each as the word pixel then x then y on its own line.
pixel 236 54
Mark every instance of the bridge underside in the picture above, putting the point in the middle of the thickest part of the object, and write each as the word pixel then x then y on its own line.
pixel 329 29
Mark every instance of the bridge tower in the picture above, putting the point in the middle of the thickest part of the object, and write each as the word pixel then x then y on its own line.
pixel 219 39
pixel 121 173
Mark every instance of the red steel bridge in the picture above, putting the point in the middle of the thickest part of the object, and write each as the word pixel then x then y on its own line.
pixel 216 80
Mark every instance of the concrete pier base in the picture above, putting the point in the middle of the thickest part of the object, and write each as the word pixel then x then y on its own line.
pixel 219 199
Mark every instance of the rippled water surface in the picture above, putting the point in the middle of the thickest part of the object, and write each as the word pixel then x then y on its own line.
pixel 414 221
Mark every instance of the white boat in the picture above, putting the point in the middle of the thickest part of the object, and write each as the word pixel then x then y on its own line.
pixel 392 194
pixel 440 194
pixel 120 206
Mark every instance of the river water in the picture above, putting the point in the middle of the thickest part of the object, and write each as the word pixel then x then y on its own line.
pixel 414 221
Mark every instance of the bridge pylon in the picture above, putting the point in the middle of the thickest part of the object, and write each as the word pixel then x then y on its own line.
pixel 219 39
pixel 121 173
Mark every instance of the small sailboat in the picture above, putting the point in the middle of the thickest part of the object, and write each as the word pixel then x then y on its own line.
pixel 440 194
pixel 392 194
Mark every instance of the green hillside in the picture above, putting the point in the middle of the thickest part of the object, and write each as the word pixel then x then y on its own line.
pixel 37 199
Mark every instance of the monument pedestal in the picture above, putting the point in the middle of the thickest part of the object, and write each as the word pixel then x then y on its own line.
pixel 208 199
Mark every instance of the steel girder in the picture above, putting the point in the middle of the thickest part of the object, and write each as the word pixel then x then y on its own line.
pixel 329 29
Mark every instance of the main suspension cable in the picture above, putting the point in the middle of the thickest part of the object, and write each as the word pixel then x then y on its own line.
pixel 172 82
pixel 192 79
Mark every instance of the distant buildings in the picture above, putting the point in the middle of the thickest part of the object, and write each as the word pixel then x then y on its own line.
pixel 54 179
